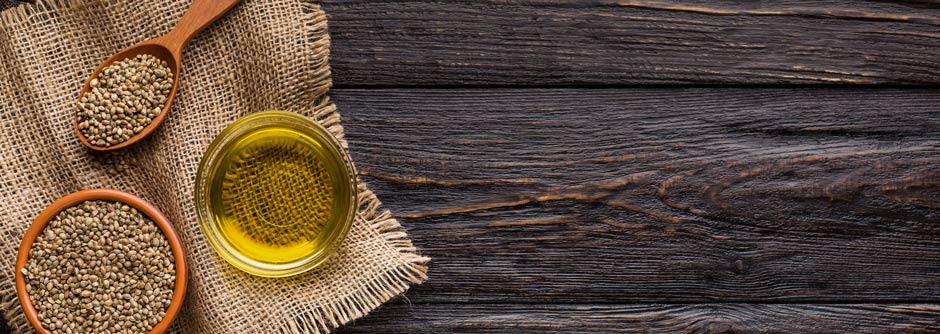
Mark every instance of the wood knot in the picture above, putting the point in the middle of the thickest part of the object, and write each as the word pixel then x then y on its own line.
pixel 739 266
pixel 719 327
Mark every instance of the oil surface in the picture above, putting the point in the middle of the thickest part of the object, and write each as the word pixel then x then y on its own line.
pixel 274 193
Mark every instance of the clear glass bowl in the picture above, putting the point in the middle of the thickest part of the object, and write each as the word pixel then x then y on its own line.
pixel 272 210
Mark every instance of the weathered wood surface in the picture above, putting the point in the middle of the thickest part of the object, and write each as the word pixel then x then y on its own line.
pixel 670 209
pixel 5 4
pixel 685 319
pixel 598 196
pixel 627 42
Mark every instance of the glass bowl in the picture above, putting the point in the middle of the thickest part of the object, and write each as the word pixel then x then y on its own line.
pixel 275 194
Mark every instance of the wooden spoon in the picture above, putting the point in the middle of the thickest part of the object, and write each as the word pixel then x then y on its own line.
pixel 168 48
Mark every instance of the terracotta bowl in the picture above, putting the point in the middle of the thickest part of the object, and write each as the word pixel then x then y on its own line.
pixel 72 199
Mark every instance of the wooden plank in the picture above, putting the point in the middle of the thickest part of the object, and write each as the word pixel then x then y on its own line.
pixel 705 319
pixel 627 42
pixel 659 195
pixel 6 4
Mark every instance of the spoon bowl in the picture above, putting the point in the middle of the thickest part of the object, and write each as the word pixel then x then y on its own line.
pixel 168 48
pixel 150 47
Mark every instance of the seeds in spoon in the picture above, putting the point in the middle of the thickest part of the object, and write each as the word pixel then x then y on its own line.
pixel 100 267
pixel 124 98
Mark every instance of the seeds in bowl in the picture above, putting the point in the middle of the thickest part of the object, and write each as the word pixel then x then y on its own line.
pixel 124 98
pixel 100 267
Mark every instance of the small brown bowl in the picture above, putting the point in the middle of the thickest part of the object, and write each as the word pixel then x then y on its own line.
pixel 179 291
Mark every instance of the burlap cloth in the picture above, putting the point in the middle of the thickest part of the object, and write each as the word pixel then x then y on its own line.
pixel 263 55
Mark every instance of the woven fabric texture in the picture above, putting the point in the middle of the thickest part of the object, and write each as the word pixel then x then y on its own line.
pixel 263 55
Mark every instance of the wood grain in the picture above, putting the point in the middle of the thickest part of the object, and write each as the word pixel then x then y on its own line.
pixel 6 4
pixel 659 195
pixel 687 319
pixel 601 42
pixel 624 209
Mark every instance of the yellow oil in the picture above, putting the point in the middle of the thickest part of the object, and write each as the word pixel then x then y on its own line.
pixel 274 195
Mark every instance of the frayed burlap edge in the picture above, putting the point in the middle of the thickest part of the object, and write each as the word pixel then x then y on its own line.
pixel 412 270
pixel 413 267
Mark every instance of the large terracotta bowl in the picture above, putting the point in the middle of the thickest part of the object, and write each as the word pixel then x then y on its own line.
pixel 72 199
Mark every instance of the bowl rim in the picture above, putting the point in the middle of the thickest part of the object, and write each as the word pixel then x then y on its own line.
pixel 247 124
pixel 22 257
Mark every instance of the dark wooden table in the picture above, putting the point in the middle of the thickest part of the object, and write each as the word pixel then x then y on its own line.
pixel 652 167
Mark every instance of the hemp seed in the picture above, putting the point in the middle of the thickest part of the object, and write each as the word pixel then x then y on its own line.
pixel 124 98
pixel 100 267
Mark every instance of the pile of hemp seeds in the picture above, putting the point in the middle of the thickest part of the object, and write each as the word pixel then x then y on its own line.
pixel 100 267
pixel 124 98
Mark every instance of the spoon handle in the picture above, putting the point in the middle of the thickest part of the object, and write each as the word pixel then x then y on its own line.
pixel 200 15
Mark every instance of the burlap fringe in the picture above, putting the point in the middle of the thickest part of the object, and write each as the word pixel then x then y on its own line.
pixel 412 270
pixel 15 318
